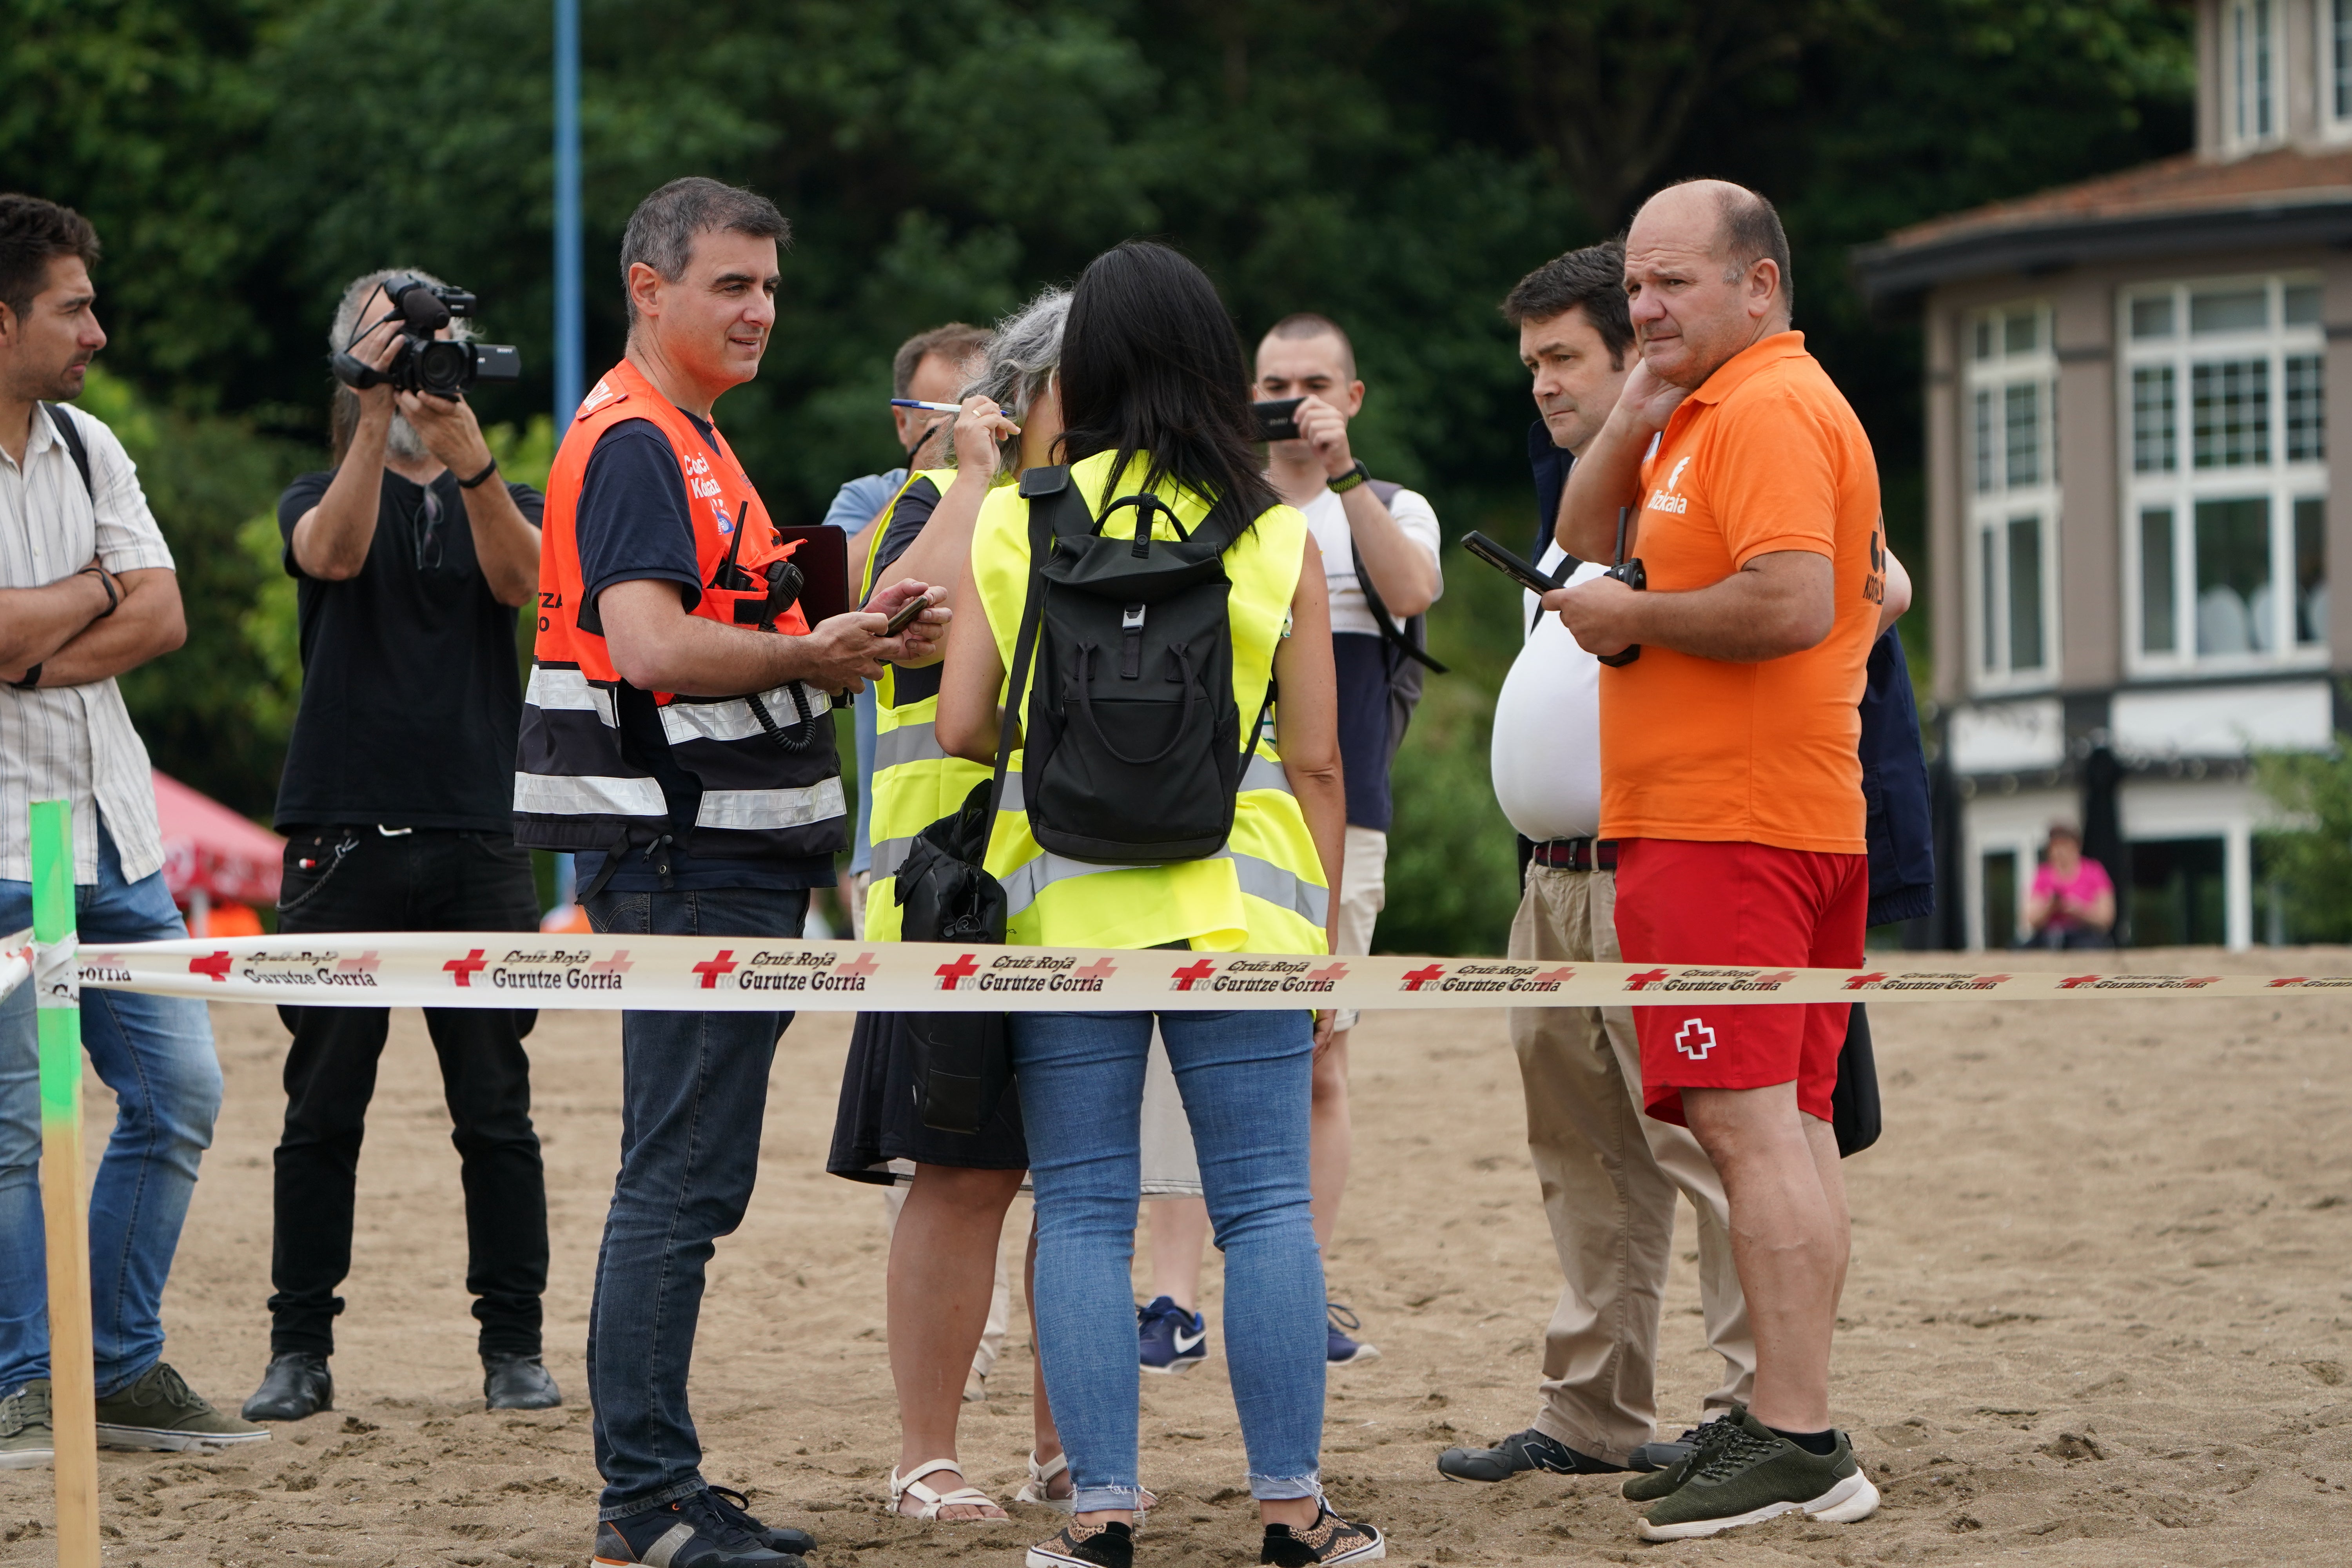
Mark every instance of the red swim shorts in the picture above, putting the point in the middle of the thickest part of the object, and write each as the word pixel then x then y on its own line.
pixel 1746 906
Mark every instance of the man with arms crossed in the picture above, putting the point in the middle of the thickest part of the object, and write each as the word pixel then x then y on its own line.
pixel 694 812
pixel 1609 1174
pixel 1730 777
pixel 86 592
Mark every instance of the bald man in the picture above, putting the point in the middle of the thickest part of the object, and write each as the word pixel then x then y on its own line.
pixel 1731 781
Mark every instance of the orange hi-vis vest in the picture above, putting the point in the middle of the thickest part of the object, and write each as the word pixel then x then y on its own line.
pixel 768 775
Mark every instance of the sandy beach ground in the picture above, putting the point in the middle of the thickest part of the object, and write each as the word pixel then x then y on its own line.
pixel 2100 1312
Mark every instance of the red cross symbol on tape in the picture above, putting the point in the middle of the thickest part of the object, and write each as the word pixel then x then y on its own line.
pixel 1777 977
pixel 1695 1039
pixel 865 965
pixel 1644 980
pixel 710 969
pixel 1101 969
pixel 1421 977
pixel 1332 974
pixel 466 967
pixel 617 964
pixel 365 964
pixel 1560 977
pixel 1198 969
pixel 1857 982
pixel 2287 980
pixel 952 974
pixel 2076 982
pixel 218 966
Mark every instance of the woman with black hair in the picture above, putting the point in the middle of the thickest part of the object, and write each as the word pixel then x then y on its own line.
pixel 1154 402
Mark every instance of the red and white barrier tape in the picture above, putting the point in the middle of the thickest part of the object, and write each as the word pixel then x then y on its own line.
pixel 508 969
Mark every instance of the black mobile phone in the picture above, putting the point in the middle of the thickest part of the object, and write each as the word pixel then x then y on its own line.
pixel 1277 420
pixel 906 614
pixel 1519 570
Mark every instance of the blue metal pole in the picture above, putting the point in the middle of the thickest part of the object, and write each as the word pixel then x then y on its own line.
pixel 569 349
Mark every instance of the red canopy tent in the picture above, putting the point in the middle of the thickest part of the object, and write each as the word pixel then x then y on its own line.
pixel 213 856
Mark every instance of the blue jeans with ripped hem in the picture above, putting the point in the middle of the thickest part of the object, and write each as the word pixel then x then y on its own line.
pixel 1246 1080
pixel 156 1054
pixel 694 1094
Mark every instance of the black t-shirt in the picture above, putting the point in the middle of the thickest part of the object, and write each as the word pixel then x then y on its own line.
pixel 632 525
pixel 411 694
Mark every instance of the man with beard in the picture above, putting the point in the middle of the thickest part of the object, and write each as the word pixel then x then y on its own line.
pixel 397 802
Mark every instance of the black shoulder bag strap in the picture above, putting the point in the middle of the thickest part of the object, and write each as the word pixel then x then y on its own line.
pixel 1047 491
pixel 1389 634
pixel 70 435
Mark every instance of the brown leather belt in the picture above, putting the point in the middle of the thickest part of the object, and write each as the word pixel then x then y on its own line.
pixel 1578 854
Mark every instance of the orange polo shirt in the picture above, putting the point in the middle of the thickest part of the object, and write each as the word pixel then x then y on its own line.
pixel 1766 455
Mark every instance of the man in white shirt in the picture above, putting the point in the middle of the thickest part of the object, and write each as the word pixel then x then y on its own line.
pixel 86 591
pixel 1380 544
pixel 1609 1174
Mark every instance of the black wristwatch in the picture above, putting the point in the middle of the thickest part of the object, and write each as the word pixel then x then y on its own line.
pixel 1351 479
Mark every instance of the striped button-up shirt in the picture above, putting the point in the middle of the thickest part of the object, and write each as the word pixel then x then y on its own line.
pixel 74 742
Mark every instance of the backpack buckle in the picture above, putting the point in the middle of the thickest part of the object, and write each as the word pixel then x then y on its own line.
pixel 1130 661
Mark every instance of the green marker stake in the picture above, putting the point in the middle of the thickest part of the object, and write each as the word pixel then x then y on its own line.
pixel 65 1206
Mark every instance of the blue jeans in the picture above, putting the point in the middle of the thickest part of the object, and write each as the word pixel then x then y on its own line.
pixel 1246 1080
pixel 694 1092
pixel 156 1054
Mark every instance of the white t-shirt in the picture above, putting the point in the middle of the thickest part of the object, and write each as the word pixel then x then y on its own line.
pixel 1546 750
pixel 1326 514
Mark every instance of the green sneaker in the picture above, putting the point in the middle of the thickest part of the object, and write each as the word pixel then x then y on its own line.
pixel 1752 1473
pixel 1706 1439
pixel 160 1411
pixel 27 1439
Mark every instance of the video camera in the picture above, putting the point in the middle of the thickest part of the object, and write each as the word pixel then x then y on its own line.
pixel 425 363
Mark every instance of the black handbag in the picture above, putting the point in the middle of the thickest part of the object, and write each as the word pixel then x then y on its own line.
pixel 963 1061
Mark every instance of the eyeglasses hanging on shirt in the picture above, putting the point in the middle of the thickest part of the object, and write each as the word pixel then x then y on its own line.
pixel 428 532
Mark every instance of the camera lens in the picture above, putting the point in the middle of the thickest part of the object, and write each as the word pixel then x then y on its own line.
pixel 442 367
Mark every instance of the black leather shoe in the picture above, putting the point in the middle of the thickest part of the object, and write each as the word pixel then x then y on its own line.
pixel 735 1508
pixel 519 1382
pixel 1527 1450
pixel 296 1384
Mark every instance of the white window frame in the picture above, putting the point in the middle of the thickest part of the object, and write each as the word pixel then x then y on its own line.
pixel 2281 482
pixel 2332 20
pixel 1989 511
pixel 2253 86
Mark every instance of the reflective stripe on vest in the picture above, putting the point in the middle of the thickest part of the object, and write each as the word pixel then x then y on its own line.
pixel 1265 892
pixel 576 786
pixel 915 781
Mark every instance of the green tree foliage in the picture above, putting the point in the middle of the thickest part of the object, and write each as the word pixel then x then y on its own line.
pixel 2310 866
pixel 1396 165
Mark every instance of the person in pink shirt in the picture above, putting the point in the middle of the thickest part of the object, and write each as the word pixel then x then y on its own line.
pixel 2073 903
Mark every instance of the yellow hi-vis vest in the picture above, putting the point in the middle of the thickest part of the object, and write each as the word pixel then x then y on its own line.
pixel 915 783
pixel 1263 893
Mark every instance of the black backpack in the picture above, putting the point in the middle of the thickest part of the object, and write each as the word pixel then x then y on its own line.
pixel 1408 646
pixel 1133 747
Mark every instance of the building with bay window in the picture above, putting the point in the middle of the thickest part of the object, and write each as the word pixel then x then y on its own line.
pixel 2133 387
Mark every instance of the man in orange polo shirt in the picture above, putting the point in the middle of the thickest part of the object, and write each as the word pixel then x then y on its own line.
pixel 1731 778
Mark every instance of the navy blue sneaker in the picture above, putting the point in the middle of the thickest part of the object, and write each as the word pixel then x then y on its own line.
pixel 1340 1349
pixel 1169 1337
pixel 692 1532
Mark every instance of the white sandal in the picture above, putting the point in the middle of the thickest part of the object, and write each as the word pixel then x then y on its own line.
pixel 932 1502
pixel 1041 1478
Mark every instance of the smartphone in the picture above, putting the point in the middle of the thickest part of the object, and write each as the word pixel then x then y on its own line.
pixel 1277 420
pixel 906 614
pixel 1512 566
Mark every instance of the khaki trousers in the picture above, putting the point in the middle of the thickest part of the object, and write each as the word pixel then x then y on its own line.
pixel 1608 1175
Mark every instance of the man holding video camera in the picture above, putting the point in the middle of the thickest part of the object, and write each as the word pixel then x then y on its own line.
pixel 411 558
